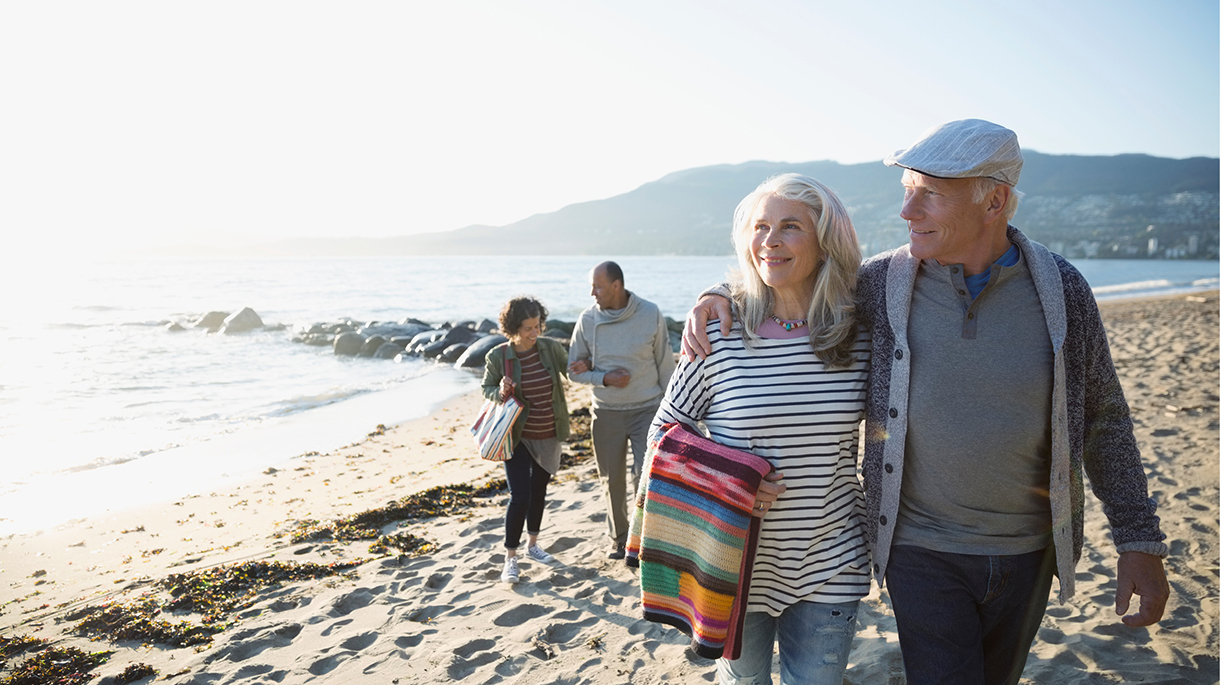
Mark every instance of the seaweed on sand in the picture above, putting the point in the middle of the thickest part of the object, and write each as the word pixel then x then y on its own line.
pixel 12 646
pixel 139 620
pixel 442 500
pixel 217 592
pixel 580 445
pixel 58 665
pixel 133 673
pixel 214 593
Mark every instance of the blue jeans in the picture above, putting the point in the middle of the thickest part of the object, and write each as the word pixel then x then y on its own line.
pixel 814 640
pixel 965 618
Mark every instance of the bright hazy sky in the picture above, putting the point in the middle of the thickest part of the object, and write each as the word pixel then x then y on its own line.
pixel 129 123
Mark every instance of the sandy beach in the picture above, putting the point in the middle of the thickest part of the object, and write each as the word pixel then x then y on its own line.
pixel 439 614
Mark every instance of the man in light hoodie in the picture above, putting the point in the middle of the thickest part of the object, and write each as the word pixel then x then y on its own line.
pixel 620 346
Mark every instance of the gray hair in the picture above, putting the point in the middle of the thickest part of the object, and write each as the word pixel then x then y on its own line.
pixel 832 313
pixel 983 186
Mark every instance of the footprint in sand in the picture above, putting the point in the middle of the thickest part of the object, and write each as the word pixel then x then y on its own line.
pixel 461 668
pixel 249 643
pixel 511 667
pixel 566 632
pixel 335 626
pixel 255 670
pixel 346 604
pixel 473 646
pixel 438 581
pixel 359 642
pixel 520 614
pixel 429 613
pixel 408 641
pixel 564 544
pixel 327 664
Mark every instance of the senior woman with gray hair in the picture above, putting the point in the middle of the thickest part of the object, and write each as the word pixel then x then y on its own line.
pixel 787 383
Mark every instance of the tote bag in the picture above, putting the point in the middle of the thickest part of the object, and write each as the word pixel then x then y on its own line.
pixel 493 428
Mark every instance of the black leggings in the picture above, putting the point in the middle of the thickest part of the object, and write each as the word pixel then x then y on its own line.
pixel 527 483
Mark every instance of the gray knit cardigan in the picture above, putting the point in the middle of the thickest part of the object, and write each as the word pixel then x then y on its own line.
pixel 1090 423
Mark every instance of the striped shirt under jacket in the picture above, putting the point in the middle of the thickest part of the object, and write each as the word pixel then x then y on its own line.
pixel 777 400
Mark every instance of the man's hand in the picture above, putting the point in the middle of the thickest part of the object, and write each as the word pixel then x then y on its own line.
pixel 618 378
pixel 694 334
pixel 579 366
pixel 768 491
pixel 1144 575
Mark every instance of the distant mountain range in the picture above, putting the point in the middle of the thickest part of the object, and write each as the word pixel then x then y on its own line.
pixel 1129 206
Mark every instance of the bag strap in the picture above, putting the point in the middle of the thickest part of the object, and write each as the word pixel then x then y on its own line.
pixel 508 369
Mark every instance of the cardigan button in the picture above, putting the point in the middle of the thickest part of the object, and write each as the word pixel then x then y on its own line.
pixel 893 413
pixel 889 468
pixel 876 568
pixel 897 354
pixel 883 519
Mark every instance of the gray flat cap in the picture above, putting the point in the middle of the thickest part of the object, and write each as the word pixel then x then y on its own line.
pixel 968 148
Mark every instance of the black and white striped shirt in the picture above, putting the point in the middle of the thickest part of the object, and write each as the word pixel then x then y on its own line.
pixel 777 400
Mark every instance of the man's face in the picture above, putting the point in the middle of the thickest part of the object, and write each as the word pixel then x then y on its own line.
pixel 604 291
pixel 943 221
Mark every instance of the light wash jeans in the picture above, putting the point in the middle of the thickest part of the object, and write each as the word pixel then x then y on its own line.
pixel 814 641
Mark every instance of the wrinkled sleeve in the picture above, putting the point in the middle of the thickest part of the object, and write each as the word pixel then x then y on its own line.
pixel 1110 453
pixel 493 372
pixel 580 350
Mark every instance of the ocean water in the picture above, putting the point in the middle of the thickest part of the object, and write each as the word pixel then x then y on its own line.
pixel 102 408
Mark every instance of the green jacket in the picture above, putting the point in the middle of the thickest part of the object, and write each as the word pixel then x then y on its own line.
pixel 554 360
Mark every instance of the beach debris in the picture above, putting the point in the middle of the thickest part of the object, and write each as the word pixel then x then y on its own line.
pixel 380 430
pixel 133 673
pixel 59 665
pixel 213 593
pixel 139 620
pixel 39 573
pixel 217 592
pixel 15 646
pixel 548 652
pixel 406 543
pixel 595 642
pixel 442 500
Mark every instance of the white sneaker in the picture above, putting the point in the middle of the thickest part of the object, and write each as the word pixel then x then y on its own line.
pixel 510 574
pixel 537 554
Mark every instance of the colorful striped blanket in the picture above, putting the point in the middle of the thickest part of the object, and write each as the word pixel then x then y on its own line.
pixel 693 538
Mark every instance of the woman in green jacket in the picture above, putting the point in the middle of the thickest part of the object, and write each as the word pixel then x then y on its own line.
pixel 535 365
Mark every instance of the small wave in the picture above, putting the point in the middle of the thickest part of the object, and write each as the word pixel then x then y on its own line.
pixel 305 403
pixel 1201 282
pixel 103 462
pixel 1130 287
pixel 69 326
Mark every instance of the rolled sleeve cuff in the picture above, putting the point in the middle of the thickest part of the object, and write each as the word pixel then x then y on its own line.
pixel 1156 549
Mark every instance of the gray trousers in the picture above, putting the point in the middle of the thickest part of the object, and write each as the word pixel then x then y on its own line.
pixel 612 431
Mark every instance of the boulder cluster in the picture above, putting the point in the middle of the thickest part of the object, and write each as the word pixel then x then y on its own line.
pixel 464 344
pixel 461 343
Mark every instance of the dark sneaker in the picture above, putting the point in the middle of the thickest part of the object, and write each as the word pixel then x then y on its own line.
pixel 619 551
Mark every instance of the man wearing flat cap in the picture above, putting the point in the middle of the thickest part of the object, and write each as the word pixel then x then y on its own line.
pixel 991 391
